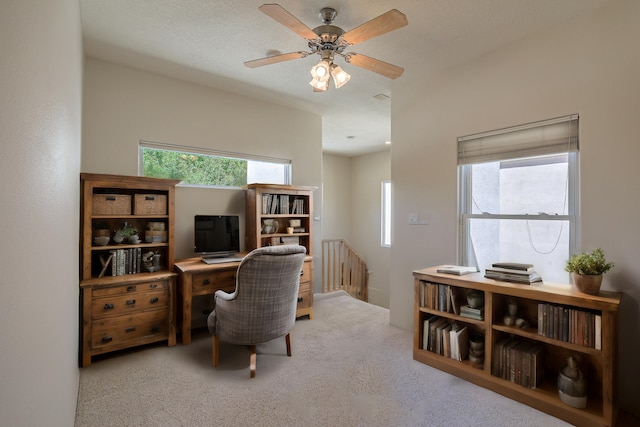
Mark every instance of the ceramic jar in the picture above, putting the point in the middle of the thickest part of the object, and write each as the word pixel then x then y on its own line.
pixel 572 386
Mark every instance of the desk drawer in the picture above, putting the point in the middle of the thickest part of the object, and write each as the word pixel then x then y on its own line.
pixel 114 331
pixel 208 283
pixel 304 295
pixel 122 304
pixel 130 289
pixel 307 272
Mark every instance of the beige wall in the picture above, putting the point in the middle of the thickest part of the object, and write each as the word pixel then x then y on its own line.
pixel 123 106
pixel 588 66
pixel 367 173
pixel 352 201
pixel 337 203
pixel 40 122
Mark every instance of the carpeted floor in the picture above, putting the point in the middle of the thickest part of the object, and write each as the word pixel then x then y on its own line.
pixel 349 368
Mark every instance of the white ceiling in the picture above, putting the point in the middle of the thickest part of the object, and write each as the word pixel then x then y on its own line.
pixel 207 42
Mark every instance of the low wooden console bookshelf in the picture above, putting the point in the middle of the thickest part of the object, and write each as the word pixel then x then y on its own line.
pixel 597 356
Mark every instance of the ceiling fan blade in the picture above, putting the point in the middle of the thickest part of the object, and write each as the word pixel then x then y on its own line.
pixel 389 21
pixel 275 59
pixel 278 13
pixel 375 65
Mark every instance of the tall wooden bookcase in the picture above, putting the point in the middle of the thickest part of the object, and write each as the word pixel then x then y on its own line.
pixel 125 302
pixel 270 210
pixel 597 356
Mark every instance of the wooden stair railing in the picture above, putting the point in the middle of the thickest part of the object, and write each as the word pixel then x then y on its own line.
pixel 344 269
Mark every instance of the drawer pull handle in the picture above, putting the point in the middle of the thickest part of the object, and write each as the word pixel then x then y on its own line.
pixel 131 288
pixel 108 306
pixel 301 272
pixel 153 285
pixel 110 198
pixel 206 282
pixel 300 299
pixel 107 339
pixel 154 300
pixel 150 197
pixel 130 329
pixel 130 302
pixel 155 329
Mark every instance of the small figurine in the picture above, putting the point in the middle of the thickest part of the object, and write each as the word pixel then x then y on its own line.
pixel 512 318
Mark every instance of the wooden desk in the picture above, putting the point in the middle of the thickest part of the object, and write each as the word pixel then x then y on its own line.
pixel 196 278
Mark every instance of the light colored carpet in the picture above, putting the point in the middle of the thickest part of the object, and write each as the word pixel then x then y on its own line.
pixel 349 368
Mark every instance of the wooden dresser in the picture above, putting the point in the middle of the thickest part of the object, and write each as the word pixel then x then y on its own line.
pixel 125 301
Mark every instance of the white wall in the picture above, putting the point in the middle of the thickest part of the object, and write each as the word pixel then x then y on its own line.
pixel 123 106
pixel 40 121
pixel 588 66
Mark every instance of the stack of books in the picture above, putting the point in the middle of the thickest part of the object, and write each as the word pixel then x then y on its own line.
pixel 472 313
pixel 513 272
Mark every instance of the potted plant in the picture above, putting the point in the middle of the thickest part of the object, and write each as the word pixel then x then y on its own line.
pixel 587 269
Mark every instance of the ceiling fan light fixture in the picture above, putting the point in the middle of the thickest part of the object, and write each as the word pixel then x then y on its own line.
pixel 340 77
pixel 319 86
pixel 321 71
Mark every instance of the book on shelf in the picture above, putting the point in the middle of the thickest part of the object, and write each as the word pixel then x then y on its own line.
pixel 513 266
pixel 457 270
pixel 514 276
pixel 433 332
pixel 518 361
pixel 572 325
pixel 425 331
pixel 472 313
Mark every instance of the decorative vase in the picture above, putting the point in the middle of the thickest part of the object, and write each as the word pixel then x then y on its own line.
pixel 587 283
pixel 572 386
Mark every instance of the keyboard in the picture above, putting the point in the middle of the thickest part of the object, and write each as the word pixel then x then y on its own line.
pixel 221 260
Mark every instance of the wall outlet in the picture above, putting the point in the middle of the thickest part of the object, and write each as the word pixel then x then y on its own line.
pixel 414 219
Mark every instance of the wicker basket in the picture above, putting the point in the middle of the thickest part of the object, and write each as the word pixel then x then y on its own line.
pixel 150 204
pixel 111 204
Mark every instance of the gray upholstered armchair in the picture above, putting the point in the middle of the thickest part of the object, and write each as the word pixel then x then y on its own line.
pixel 263 305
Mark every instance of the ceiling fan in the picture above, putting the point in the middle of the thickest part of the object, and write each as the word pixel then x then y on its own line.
pixel 328 41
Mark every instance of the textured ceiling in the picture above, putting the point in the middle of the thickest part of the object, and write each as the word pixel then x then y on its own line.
pixel 207 42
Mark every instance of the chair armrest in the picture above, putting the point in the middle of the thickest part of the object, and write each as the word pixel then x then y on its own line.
pixel 224 295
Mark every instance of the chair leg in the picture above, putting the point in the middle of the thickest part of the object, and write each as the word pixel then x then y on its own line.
pixel 288 340
pixel 216 346
pixel 252 361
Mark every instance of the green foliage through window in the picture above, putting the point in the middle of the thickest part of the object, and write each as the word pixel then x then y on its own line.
pixel 192 168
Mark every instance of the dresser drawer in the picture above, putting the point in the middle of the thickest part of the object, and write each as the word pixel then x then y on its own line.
pixel 307 272
pixel 208 283
pixel 304 295
pixel 116 305
pixel 129 289
pixel 114 331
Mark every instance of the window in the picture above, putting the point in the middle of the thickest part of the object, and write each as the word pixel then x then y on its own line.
pixel 386 214
pixel 200 167
pixel 518 198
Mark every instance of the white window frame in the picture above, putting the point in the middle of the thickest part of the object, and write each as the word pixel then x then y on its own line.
pixel 385 214
pixel 465 253
pixel 287 170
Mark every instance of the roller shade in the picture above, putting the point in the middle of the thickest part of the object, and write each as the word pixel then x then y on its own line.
pixel 554 136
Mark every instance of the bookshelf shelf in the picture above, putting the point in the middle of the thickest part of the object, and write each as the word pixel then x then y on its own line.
pixel 597 356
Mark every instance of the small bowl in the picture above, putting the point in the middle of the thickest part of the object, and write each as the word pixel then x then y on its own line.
pixel 476 360
pixel 101 240
pixel 475 299
pixel 476 345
